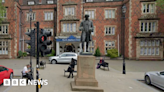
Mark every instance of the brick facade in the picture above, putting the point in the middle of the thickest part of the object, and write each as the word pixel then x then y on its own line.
pixel 134 16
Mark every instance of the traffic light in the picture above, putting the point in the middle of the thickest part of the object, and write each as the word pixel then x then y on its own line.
pixel 40 86
pixel 43 42
pixel 31 42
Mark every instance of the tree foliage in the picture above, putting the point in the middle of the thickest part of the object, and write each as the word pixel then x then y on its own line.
pixel 160 3
pixel 97 52
pixel 2 11
pixel 112 53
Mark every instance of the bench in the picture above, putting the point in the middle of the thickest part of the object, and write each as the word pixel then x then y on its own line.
pixel 67 71
pixel 105 65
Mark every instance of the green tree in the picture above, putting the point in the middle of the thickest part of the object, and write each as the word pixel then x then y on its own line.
pixel 97 52
pixel 2 11
pixel 160 3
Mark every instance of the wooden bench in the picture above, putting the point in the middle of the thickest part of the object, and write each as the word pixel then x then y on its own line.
pixel 105 65
pixel 67 71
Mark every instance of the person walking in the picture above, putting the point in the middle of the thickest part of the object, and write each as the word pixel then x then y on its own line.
pixel 71 68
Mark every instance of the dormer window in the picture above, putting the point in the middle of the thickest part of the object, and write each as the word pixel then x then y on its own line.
pixel 31 3
pixel 50 2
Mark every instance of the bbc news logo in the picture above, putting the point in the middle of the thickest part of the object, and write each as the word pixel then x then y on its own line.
pixel 22 82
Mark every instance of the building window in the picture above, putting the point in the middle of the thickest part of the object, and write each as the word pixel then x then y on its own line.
pixel 48 15
pixel 149 47
pixel 91 47
pixel 91 14
pixel 69 27
pixel 4 29
pixel 29 30
pixel 31 3
pixel 3 15
pixel 49 29
pixel 148 26
pixel 50 2
pixel 109 45
pixel 32 16
pixel 89 0
pixel 3 47
pixel 148 8
pixel 69 11
pixel 109 30
pixel 110 13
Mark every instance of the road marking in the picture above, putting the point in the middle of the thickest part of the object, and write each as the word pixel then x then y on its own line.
pixel 7 89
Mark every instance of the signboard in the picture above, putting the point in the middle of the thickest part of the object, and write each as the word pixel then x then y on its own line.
pixel 69 39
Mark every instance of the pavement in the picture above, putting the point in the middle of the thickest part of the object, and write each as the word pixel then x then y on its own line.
pixel 110 81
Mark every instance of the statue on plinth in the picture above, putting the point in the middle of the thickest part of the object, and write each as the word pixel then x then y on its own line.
pixel 86 27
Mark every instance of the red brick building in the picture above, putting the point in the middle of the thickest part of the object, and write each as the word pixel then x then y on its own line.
pixel 17 22
pixel 143 25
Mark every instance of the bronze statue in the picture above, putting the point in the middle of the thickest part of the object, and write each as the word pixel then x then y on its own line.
pixel 86 27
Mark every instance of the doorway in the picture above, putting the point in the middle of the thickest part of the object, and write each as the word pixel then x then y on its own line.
pixel 69 47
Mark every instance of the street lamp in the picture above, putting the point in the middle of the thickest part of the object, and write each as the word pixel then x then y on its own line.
pixel 123 35
pixel 30 14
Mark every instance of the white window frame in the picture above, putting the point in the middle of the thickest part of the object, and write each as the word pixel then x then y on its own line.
pixel 50 2
pixel 112 30
pixel 151 47
pixel 70 10
pixel 148 26
pixel 109 47
pixel 148 5
pixel 91 13
pixel 4 47
pixel 110 13
pixel 48 16
pixel 4 26
pixel 89 0
pixel 66 27
pixel 32 18
pixel 31 2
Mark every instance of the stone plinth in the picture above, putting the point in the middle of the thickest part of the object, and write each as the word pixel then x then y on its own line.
pixel 85 79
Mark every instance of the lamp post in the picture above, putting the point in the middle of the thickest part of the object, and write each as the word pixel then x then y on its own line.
pixel 30 14
pixel 123 37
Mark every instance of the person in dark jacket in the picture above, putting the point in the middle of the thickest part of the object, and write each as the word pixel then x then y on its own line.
pixel 72 66
pixel 101 62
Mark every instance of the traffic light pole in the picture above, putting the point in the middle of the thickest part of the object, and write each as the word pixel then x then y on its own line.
pixel 31 49
pixel 37 57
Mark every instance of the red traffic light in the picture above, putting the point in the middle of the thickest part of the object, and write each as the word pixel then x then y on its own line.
pixel 42 38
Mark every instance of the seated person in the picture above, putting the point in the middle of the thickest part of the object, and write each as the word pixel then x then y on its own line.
pixel 26 72
pixel 100 63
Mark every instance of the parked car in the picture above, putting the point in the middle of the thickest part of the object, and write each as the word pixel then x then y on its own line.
pixel 63 58
pixel 5 73
pixel 155 78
